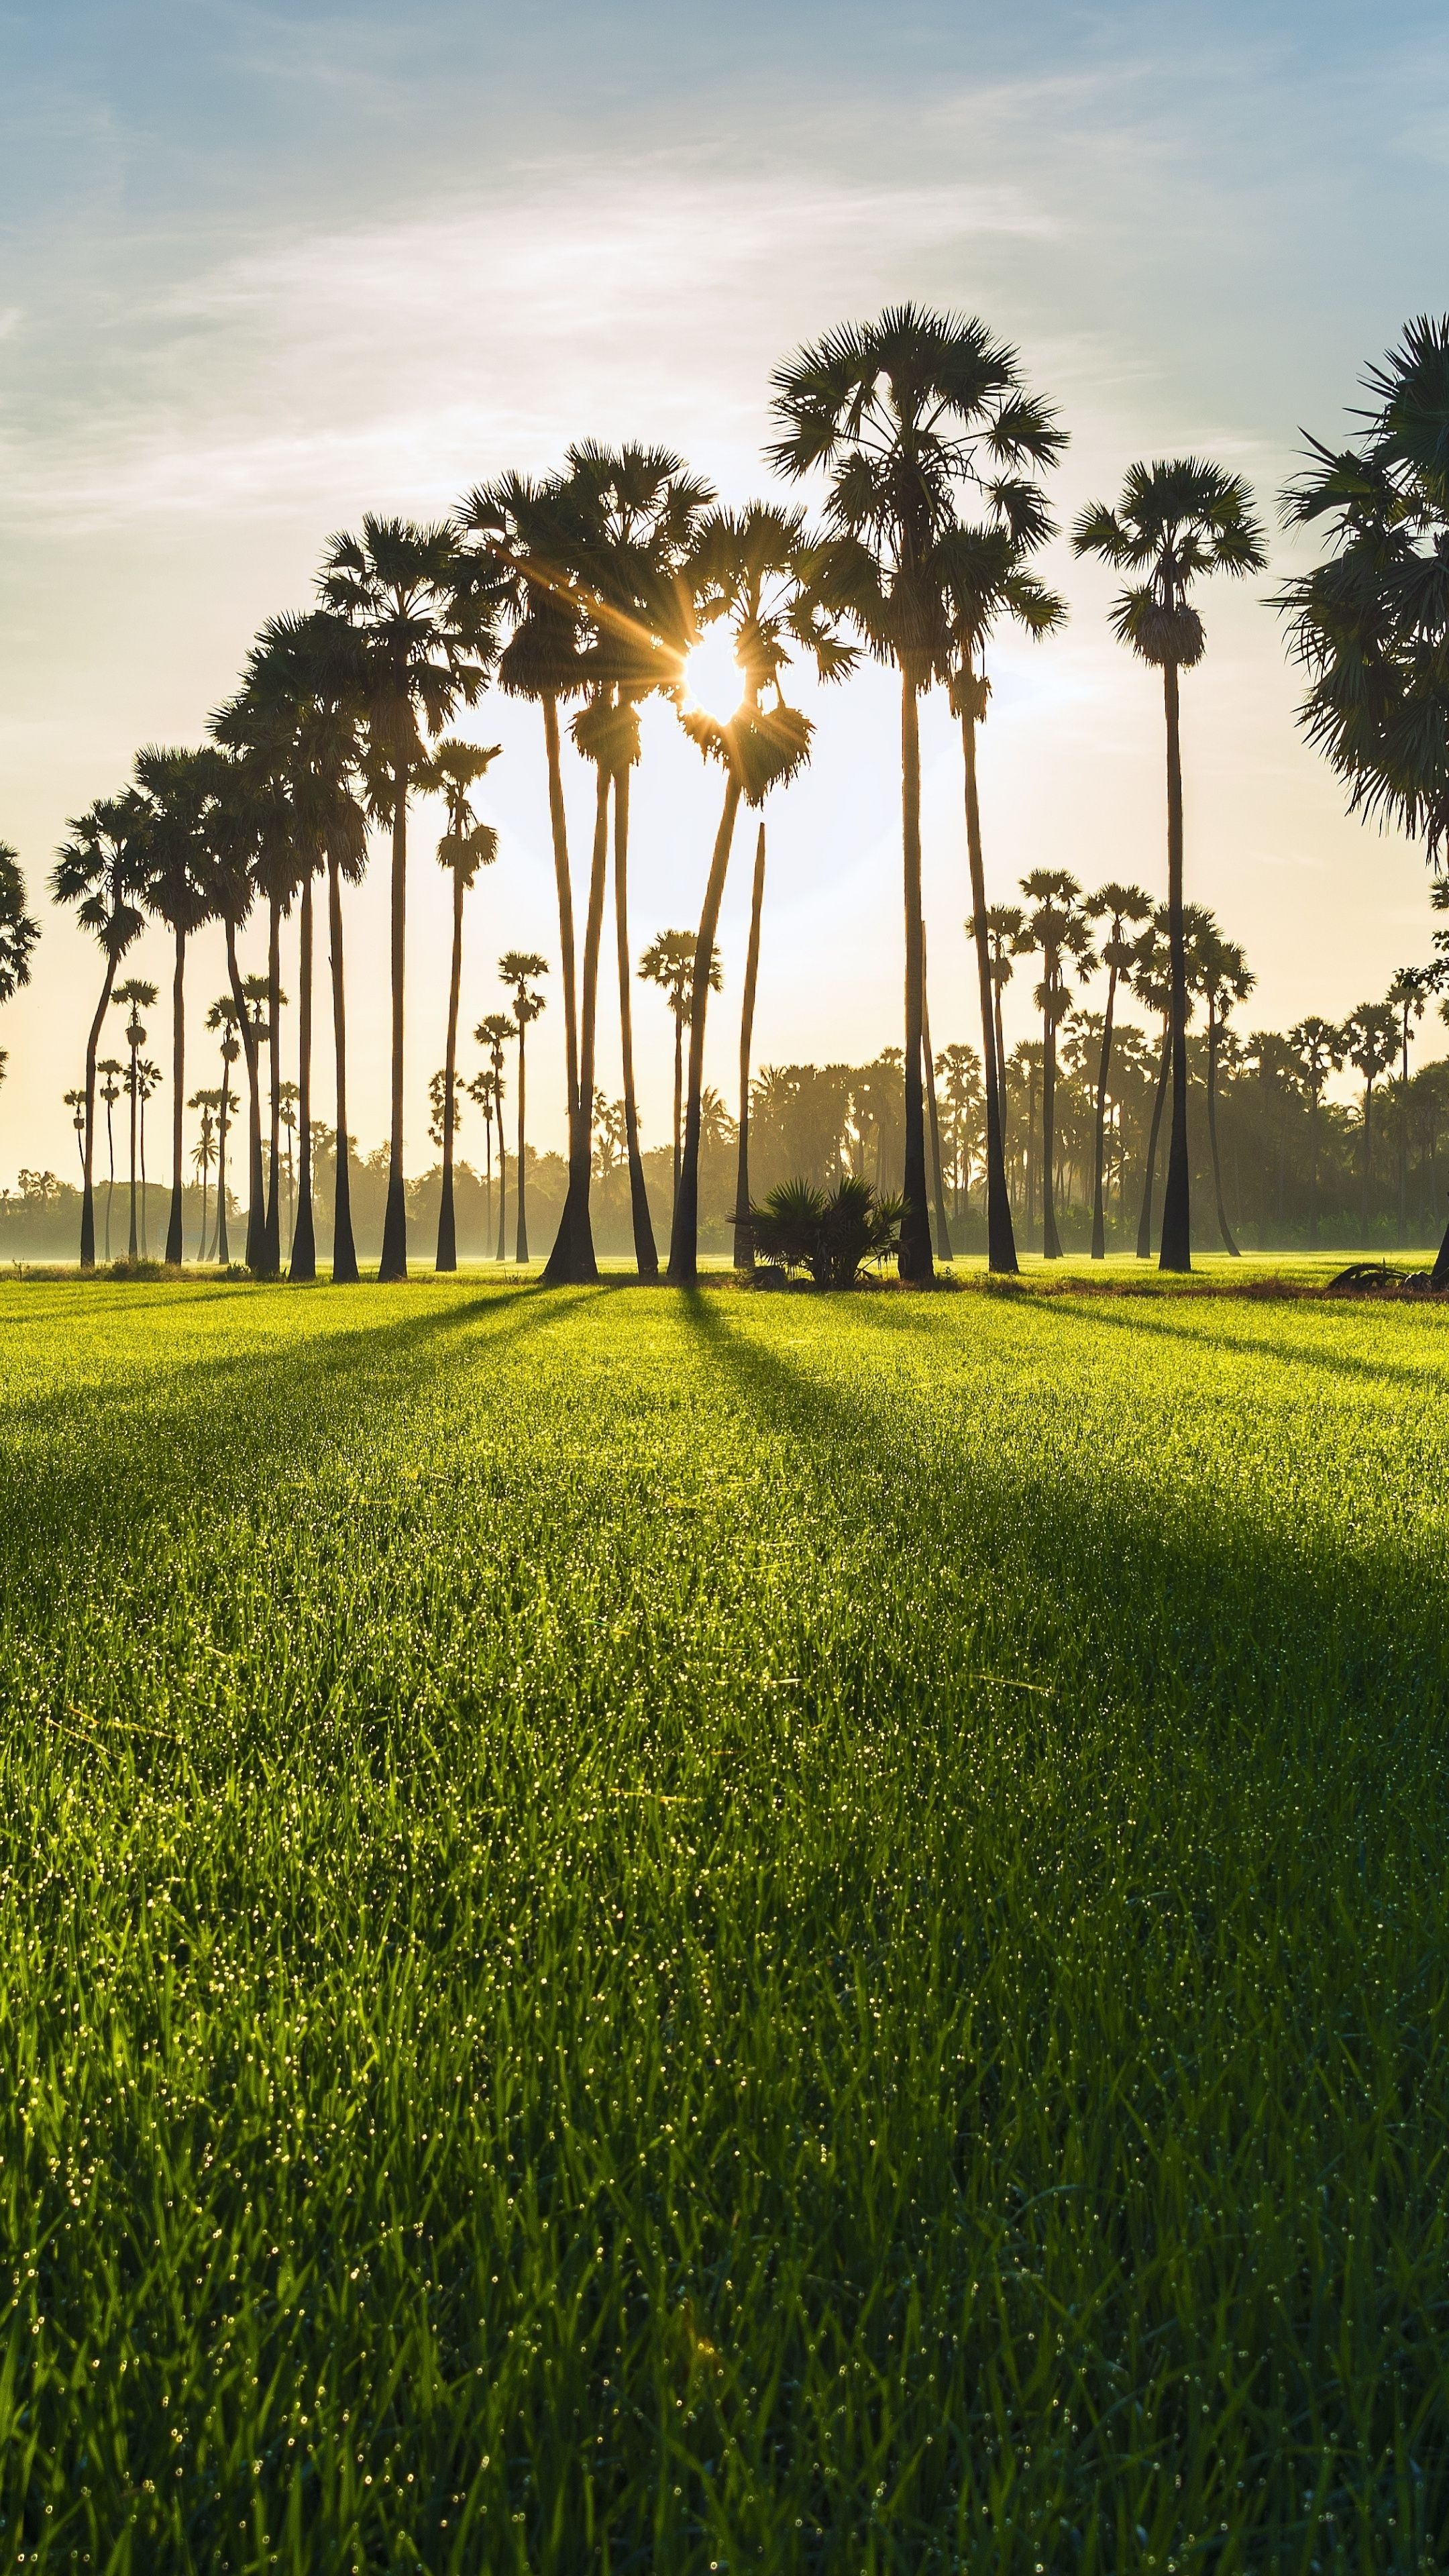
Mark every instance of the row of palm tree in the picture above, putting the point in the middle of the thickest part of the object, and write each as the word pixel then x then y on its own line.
pixel 592 589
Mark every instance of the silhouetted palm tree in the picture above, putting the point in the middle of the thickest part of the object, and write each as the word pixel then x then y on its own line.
pixel 1370 1041
pixel 1174 523
pixel 425 617
pixel 1225 980
pixel 179 884
pixel 519 969
pixel 75 1102
pixel 902 415
pixel 1406 996
pixel 466 846
pixel 203 1155
pixel 1119 905
pixel 98 869
pixel 111 1072
pixel 222 1017
pixel 134 997
pixel 494 1033
pixel 668 961
pixel 1057 928
pixel 147 1079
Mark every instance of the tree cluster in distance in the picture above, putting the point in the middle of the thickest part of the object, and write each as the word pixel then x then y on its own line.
pixel 588 590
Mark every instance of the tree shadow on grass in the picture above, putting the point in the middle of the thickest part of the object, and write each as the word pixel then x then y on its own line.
pixel 83 1464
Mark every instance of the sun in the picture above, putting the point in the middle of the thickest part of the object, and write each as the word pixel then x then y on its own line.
pixel 712 677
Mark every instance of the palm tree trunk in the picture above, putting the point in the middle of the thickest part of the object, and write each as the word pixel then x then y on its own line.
pixel 88 1202
pixel 678 1009
pixel 558 827
pixel 571 1261
pixel 1368 1134
pixel 915 1253
pixel 110 1171
pixel 304 1239
pixel 201 1230
pixel 220 1250
pixel 943 1229
pixel 744 1231
pixel 502 1253
pixel 447 1258
pixel 1144 1225
pixel 175 1247
pixel 684 1235
pixel 1224 1229
pixel 646 1253
pixel 344 1249
pixel 1099 1217
pixel 145 1211
pixel 133 1247
pixel 1000 1236
pixel 272 1242
pixel 1404 1135
pixel 521 1254
pixel 394 1262
pixel 1176 1251
pixel 248 1036
pixel 1051 1249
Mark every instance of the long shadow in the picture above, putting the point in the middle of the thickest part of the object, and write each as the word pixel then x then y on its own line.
pixel 908 1315
pixel 81 1464
pixel 1200 1606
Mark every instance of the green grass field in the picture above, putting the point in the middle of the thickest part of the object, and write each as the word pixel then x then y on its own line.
pixel 722 1934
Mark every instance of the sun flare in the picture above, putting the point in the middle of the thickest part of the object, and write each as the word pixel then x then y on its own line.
pixel 712 676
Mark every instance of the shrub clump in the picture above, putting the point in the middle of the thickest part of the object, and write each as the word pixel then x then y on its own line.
pixel 831 1235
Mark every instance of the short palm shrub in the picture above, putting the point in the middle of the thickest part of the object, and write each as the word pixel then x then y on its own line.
pixel 829 1234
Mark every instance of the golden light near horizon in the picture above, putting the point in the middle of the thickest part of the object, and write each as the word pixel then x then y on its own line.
pixel 713 679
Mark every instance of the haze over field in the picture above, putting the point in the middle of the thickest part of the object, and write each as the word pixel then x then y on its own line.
pixel 270 269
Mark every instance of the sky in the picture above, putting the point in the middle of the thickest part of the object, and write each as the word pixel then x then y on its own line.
pixel 267 268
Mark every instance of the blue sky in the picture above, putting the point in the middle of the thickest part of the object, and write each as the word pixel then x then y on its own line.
pixel 265 268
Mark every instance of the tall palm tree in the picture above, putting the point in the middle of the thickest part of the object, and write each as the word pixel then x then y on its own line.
pixel 110 1070
pixel 520 969
pixel 239 812
pixel 134 997
pixel 668 961
pixel 452 771
pixel 203 1155
pixel 1225 980
pixel 985 569
pixel 180 885
pixel 1152 983
pixel 1057 929
pixel 753 576
pixel 531 535
pixel 424 615
pixel 744 1230
pixel 1005 929
pixel 1370 1041
pixel 1119 905
pixel 494 1033
pixel 903 415
pixel 1319 1047
pixel 98 869
pixel 148 1083
pixel 75 1102
pixel 1174 523
pixel 222 1017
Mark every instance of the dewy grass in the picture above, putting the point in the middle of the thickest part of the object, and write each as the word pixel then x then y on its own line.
pixel 721 1933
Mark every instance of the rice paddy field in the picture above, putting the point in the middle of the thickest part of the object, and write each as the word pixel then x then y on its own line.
pixel 722 1933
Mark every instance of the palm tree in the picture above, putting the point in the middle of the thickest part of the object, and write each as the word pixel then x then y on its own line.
pixel 668 961
pixel 148 1083
pixel 222 1017
pixel 1174 523
pixel 532 535
pixel 494 1034
pixel 75 1102
pixel 519 969
pixel 466 846
pixel 98 870
pixel 18 932
pixel 1370 1042
pixel 424 616
pixel 1058 929
pixel 903 414
pixel 134 997
pixel 111 1071
pixel 753 579
pixel 959 1068
pixel 1152 983
pixel 180 885
pixel 1119 905
pixel 744 1229
pixel 1319 1048
pixel 933 1116
pixel 1226 980
pixel 203 1155
pixel 1406 996
pixel 1005 927
pixel 987 578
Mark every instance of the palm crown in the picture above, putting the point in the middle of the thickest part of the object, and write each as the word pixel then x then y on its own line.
pixel 1175 522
